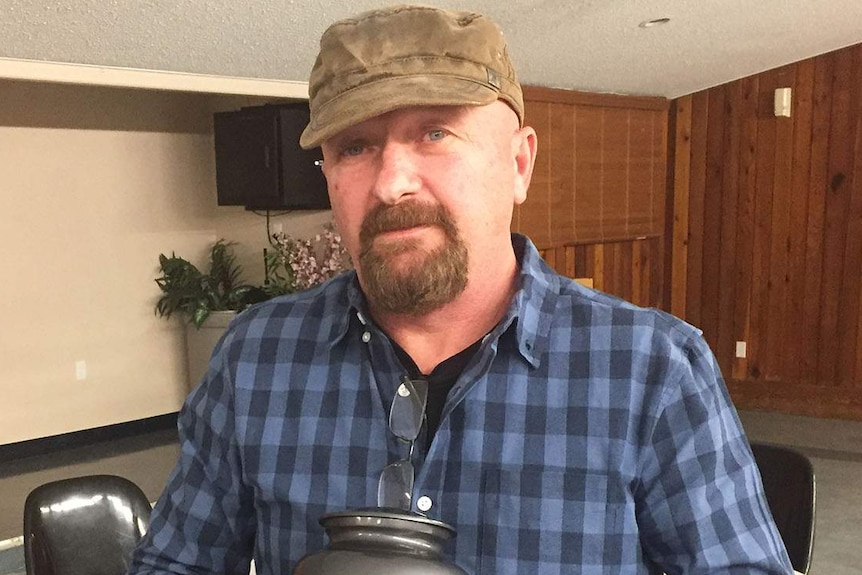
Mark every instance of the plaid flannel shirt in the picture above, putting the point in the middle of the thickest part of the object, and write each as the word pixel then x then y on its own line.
pixel 587 435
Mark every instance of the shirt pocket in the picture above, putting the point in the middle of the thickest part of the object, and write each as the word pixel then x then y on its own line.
pixel 550 521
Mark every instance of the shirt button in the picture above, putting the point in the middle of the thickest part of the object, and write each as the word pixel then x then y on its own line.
pixel 366 336
pixel 424 503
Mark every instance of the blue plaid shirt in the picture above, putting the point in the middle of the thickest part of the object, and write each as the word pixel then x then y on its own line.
pixel 586 435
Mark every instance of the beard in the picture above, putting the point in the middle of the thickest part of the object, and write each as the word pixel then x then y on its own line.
pixel 403 277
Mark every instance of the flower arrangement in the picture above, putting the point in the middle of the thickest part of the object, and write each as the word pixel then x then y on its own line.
pixel 298 264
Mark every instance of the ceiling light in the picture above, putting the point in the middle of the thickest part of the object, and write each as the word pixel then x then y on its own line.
pixel 652 23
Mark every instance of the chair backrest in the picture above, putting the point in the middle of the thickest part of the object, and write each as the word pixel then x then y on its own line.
pixel 83 526
pixel 788 481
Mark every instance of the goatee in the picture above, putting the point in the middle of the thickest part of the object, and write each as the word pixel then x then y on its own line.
pixel 428 279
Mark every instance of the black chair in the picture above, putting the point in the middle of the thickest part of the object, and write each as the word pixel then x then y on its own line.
pixel 788 480
pixel 83 526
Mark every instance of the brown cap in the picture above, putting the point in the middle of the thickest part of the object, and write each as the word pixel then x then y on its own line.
pixel 406 56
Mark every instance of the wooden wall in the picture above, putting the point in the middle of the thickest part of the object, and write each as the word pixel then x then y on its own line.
pixel 632 269
pixel 596 204
pixel 767 233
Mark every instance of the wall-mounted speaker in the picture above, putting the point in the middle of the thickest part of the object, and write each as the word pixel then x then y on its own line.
pixel 259 163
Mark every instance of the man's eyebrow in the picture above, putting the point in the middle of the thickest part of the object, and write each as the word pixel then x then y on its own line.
pixel 348 137
pixel 453 112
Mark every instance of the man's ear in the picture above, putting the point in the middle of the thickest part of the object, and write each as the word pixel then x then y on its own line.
pixel 524 146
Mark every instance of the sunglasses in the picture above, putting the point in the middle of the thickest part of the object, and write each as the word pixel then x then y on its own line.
pixel 395 488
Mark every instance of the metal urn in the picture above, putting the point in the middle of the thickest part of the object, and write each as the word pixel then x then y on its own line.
pixel 381 541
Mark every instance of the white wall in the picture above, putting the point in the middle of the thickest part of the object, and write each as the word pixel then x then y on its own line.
pixel 94 184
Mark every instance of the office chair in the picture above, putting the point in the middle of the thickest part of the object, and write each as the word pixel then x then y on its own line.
pixel 83 526
pixel 788 481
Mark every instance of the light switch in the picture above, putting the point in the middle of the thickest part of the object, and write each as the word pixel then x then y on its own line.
pixel 80 370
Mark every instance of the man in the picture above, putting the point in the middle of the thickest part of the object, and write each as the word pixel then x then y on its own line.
pixel 566 431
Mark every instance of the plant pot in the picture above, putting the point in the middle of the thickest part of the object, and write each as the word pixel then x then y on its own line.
pixel 201 341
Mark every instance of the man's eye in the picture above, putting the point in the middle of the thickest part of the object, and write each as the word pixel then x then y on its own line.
pixel 435 135
pixel 352 150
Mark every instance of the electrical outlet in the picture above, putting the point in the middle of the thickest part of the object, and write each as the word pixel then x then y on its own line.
pixel 80 370
pixel 740 349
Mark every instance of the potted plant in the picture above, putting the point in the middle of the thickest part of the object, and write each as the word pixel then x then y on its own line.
pixel 207 300
pixel 210 300
pixel 187 290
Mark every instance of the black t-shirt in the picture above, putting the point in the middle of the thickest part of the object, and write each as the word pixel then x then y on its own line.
pixel 440 380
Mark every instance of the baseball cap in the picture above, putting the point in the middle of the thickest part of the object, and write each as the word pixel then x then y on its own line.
pixel 403 56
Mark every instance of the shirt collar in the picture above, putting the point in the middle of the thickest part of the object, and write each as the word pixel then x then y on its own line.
pixel 348 285
pixel 534 302
pixel 530 312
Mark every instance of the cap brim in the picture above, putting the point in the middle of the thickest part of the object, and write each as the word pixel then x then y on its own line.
pixel 370 100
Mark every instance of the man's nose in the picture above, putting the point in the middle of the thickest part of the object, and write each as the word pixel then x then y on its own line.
pixel 397 174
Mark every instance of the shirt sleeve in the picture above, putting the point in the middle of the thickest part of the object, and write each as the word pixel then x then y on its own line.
pixel 203 522
pixel 701 506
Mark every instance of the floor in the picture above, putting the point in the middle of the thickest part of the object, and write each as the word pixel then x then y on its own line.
pixel 835 449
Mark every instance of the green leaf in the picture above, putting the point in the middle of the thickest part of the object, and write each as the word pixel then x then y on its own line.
pixel 188 291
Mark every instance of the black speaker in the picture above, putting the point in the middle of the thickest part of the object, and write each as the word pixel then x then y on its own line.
pixel 259 163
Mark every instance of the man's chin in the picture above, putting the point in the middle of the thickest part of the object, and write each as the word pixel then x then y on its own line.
pixel 412 277
pixel 396 254
pixel 402 266
pixel 407 242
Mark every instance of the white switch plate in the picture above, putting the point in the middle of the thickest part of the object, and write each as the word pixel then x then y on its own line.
pixel 80 370
pixel 740 349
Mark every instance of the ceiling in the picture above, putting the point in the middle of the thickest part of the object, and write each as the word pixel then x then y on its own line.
pixel 589 45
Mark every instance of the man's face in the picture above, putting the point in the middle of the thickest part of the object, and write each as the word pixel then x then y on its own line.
pixel 423 198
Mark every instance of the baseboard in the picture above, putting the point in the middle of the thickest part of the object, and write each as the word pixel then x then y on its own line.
pixel 12 557
pixel 65 441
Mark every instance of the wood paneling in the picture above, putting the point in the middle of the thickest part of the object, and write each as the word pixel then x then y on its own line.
pixel 632 270
pixel 596 204
pixel 600 169
pixel 744 256
pixel 767 229
pixel 680 233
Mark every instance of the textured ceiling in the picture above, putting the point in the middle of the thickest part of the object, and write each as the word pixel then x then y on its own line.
pixel 591 45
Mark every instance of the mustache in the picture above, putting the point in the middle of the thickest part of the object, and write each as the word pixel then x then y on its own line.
pixel 384 218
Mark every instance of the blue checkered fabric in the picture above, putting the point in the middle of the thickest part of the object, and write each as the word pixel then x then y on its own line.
pixel 586 436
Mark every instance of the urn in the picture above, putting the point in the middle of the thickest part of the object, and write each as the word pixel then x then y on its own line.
pixel 381 541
